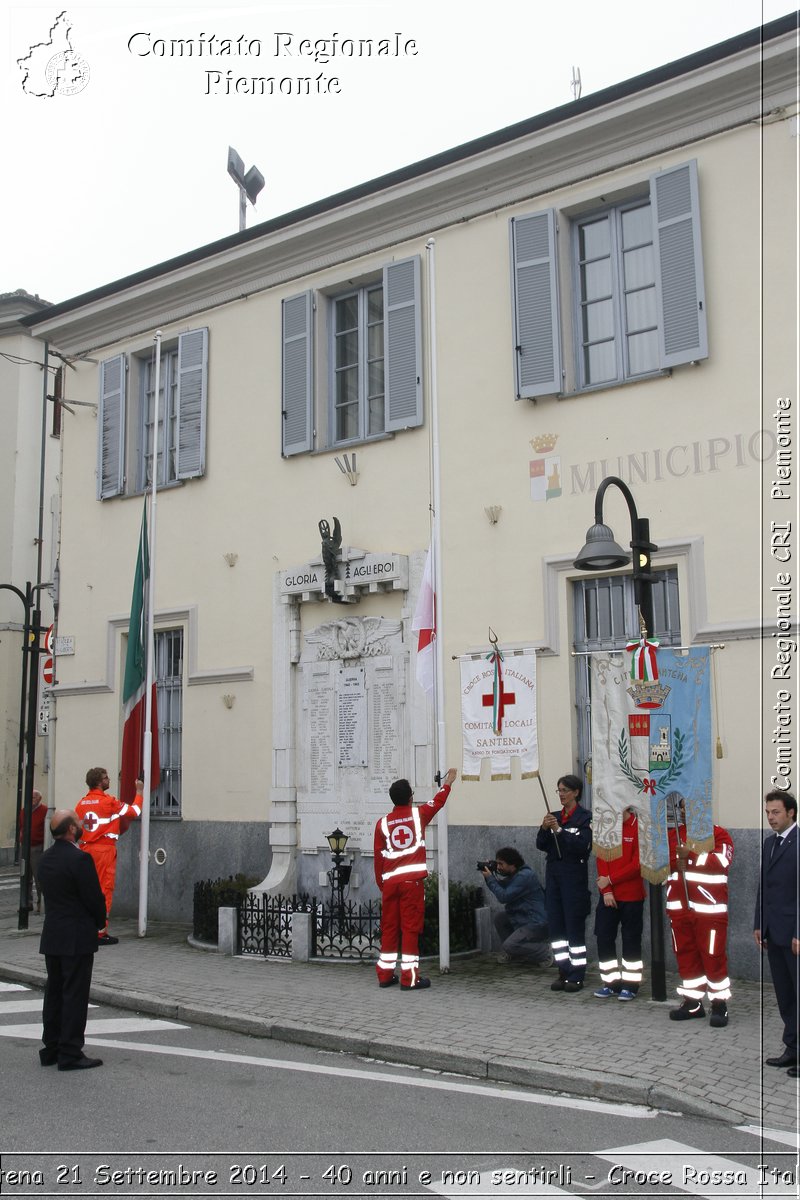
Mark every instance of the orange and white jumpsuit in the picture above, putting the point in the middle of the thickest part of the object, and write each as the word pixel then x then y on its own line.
pixel 100 815
pixel 700 928
pixel 400 872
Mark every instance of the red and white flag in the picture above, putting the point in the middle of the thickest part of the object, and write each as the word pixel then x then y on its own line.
pixel 424 625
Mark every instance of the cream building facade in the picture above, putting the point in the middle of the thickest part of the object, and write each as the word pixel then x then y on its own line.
pixel 614 295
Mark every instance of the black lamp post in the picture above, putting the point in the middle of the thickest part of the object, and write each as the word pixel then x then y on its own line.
pixel 27 736
pixel 339 873
pixel 602 553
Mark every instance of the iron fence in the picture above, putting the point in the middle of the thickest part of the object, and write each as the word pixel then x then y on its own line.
pixel 345 930
pixel 348 930
pixel 265 923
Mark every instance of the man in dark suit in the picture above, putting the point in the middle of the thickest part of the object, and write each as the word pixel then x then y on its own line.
pixel 776 919
pixel 75 909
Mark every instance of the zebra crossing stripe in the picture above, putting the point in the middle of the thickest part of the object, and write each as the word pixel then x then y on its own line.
pixel 13 987
pixel 33 1003
pixel 783 1137
pixel 97 1028
pixel 640 1169
pixel 674 1164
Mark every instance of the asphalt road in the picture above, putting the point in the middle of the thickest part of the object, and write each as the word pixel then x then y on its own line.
pixel 178 1110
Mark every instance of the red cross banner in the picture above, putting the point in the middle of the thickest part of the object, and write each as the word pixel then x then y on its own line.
pixel 498 715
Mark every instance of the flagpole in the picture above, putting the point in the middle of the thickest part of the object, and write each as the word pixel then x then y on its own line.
pixel 438 591
pixel 144 834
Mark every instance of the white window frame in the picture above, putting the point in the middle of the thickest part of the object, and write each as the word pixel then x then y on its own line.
pixel 168 420
pixel 621 334
pixel 362 365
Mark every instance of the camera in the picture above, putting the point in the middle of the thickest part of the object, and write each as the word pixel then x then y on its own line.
pixel 490 865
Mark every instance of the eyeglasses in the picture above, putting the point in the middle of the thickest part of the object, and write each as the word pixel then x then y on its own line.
pixel 565 791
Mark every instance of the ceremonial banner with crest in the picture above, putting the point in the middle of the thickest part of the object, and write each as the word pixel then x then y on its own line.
pixel 649 739
pixel 498 715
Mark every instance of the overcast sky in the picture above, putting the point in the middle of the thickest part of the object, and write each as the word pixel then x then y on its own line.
pixel 131 169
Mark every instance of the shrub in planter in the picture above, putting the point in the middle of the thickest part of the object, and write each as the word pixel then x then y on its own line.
pixel 463 900
pixel 212 894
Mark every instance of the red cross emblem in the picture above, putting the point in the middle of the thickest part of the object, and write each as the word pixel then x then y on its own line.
pixel 401 837
pixel 505 698
pixel 90 821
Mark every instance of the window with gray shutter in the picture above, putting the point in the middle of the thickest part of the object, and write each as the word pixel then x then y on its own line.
pixel 190 452
pixel 537 343
pixel 296 385
pixel 402 344
pixel 638 300
pixel 683 334
pixel 111 424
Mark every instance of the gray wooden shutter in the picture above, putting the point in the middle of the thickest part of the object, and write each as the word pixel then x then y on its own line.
pixel 683 333
pixel 296 379
pixel 537 341
pixel 402 344
pixel 111 428
pixel 190 452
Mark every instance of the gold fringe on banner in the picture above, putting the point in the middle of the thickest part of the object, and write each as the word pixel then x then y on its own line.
pixel 655 875
pixel 607 853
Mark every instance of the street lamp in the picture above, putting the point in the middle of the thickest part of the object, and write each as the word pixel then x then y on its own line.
pixel 249 184
pixel 27 733
pixel 602 553
pixel 339 873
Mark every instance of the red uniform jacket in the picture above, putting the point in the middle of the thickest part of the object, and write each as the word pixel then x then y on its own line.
pixel 706 876
pixel 400 839
pixel 623 875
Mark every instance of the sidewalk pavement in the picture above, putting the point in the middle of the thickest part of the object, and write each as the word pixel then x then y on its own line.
pixel 482 1019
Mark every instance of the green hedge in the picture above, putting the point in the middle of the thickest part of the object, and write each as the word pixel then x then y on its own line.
pixel 212 894
pixel 463 900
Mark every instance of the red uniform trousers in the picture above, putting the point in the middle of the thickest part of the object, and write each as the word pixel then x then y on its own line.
pixel 104 853
pixel 700 945
pixel 402 918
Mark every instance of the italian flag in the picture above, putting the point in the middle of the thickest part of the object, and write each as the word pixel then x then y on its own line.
pixel 134 684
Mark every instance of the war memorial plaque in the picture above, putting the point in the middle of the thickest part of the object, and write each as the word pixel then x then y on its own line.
pixel 351 717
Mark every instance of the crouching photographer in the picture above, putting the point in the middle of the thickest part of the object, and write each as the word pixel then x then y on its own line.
pixel 522 923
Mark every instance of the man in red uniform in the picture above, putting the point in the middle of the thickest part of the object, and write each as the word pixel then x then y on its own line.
pixel 400 872
pixel 621 905
pixel 697 904
pixel 104 818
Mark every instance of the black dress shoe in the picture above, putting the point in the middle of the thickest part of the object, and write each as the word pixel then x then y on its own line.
pixel 48 1058
pixel 558 985
pixel 390 982
pixel 787 1059
pixel 80 1064
pixel 107 940
pixel 573 985
pixel 415 987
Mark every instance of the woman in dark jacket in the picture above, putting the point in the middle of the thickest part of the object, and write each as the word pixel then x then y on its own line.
pixel 566 838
